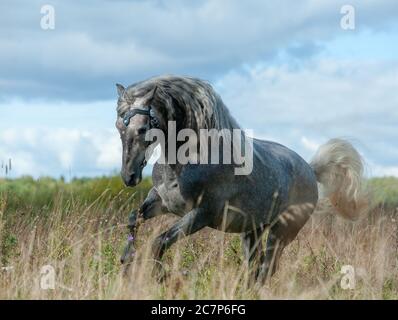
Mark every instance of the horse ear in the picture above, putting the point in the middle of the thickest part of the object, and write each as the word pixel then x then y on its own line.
pixel 120 89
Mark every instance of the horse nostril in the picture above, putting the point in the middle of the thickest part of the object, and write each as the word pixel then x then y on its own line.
pixel 129 179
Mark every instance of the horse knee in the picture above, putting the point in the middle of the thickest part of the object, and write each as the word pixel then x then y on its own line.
pixel 152 205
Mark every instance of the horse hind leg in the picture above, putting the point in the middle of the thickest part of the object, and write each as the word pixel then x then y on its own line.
pixel 281 233
pixel 253 251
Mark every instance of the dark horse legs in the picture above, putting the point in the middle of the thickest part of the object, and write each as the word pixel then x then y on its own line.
pixel 263 263
pixel 151 207
pixel 252 244
pixel 193 221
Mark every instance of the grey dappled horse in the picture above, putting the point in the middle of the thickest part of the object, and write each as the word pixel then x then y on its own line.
pixel 279 194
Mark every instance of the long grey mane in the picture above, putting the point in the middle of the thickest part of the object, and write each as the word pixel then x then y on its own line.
pixel 179 98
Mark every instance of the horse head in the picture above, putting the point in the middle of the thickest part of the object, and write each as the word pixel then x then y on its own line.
pixel 135 117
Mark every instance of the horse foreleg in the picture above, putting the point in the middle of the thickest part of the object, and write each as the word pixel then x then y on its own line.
pixel 192 222
pixel 151 207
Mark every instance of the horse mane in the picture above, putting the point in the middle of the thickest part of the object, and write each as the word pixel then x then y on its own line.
pixel 191 102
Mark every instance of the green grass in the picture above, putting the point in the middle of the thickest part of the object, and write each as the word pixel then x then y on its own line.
pixel 385 191
pixel 79 228
pixel 42 194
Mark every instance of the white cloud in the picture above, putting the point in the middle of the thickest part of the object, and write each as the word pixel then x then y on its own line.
pixel 109 149
pixel 302 107
pixel 301 103
pixel 377 170
pixel 88 49
pixel 298 107
pixel 309 144
pixel 386 171
pixel 60 151
pixel 98 58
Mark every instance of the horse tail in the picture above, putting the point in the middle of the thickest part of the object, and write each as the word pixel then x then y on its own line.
pixel 339 168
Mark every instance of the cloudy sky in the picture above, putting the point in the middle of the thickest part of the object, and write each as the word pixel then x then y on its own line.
pixel 286 69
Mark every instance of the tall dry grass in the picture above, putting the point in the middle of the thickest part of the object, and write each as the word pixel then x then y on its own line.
pixel 83 243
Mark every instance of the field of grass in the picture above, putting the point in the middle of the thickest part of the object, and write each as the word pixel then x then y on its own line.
pixel 79 228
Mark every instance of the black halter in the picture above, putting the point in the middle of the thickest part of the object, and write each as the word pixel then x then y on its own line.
pixel 154 123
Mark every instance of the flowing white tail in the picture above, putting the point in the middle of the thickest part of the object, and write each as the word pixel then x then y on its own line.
pixel 339 168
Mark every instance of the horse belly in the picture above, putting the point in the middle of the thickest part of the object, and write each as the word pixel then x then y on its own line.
pixel 236 217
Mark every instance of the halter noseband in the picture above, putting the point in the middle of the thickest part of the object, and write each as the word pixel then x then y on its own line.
pixel 154 123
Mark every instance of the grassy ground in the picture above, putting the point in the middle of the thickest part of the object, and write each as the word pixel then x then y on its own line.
pixel 79 229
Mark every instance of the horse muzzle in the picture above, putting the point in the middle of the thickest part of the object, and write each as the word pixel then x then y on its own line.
pixel 133 179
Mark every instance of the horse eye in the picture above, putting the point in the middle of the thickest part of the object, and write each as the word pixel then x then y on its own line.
pixel 141 130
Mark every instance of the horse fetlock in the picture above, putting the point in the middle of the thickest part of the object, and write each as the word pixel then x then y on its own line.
pixel 158 247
